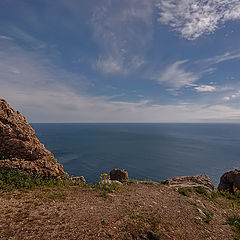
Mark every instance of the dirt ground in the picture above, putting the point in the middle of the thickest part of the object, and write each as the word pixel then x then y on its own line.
pixel 138 210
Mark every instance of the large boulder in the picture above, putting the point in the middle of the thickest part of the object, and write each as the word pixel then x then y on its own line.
pixel 20 148
pixel 229 181
pixel 119 175
pixel 200 180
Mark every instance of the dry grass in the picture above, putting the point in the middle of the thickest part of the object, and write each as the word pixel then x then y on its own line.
pixel 131 211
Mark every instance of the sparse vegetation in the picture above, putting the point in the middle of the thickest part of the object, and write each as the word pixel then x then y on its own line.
pixel 141 226
pixel 233 197
pixel 105 188
pixel 201 190
pixel 185 191
pixel 209 216
pixel 11 179
pixel 52 159
pixel 235 222
pixel 148 182
pixel 135 211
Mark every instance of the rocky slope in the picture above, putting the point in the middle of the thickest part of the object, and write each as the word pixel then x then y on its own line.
pixel 20 148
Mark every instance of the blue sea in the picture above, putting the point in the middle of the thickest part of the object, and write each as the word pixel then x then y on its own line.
pixel 147 151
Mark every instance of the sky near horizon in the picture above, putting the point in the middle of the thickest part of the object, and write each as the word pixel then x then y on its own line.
pixel 121 61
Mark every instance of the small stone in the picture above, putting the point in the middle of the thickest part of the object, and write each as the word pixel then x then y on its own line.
pixel 198 219
pixel 229 181
pixel 78 179
pixel 116 182
pixel 201 212
pixel 119 175
pixel 201 204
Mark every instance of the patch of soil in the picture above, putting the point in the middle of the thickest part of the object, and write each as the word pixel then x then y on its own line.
pixel 137 211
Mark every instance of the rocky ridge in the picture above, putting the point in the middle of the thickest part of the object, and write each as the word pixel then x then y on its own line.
pixel 20 148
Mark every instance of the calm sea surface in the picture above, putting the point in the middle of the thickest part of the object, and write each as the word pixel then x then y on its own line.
pixel 146 151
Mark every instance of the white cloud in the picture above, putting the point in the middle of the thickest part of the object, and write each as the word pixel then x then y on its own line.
pixel 109 65
pixel 122 32
pixel 223 58
pixel 176 76
pixel 5 37
pixel 33 85
pixel 226 98
pixel 205 88
pixel 193 18
pixel 232 96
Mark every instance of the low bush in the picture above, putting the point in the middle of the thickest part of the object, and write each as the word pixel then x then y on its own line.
pixel 11 179
pixel 235 222
pixel 105 188
pixel 201 190
pixel 185 191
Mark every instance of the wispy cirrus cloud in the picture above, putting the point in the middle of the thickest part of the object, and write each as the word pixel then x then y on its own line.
pixel 223 58
pixel 176 76
pixel 122 31
pixel 205 88
pixel 5 37
pixel 33 85
pixel 193 18
pixel 184 73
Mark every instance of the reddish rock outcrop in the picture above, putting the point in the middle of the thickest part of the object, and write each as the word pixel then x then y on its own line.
pixel 201 180
pixel 119 175
pixel 20 148
pixel 229 181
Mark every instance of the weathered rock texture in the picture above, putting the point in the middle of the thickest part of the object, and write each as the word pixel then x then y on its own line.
pixel 229 181
pixel 119 175
pixel 79 179
pixel 190 181
pixel 20 148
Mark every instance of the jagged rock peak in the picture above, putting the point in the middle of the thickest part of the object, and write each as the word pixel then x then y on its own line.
pixel 20 148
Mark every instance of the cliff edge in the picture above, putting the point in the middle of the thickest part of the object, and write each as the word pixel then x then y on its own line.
pixel 20 148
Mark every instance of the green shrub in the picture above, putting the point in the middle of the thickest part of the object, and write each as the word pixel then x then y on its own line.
pixel 235 222
pixel 11 179
pixel 201 190
pixel 147 182
pixel 52 159
pixel 185 191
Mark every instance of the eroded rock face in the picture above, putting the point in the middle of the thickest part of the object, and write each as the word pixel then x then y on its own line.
pixel 190 181
pixel 229 181
pixel 20 148
pixel 119 175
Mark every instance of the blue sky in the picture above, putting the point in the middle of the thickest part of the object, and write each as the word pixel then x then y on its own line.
pixel 121 61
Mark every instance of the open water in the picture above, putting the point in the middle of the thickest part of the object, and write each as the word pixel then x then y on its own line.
pixel 146 151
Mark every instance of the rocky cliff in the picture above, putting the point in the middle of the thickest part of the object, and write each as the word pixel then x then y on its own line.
pixel 20 148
